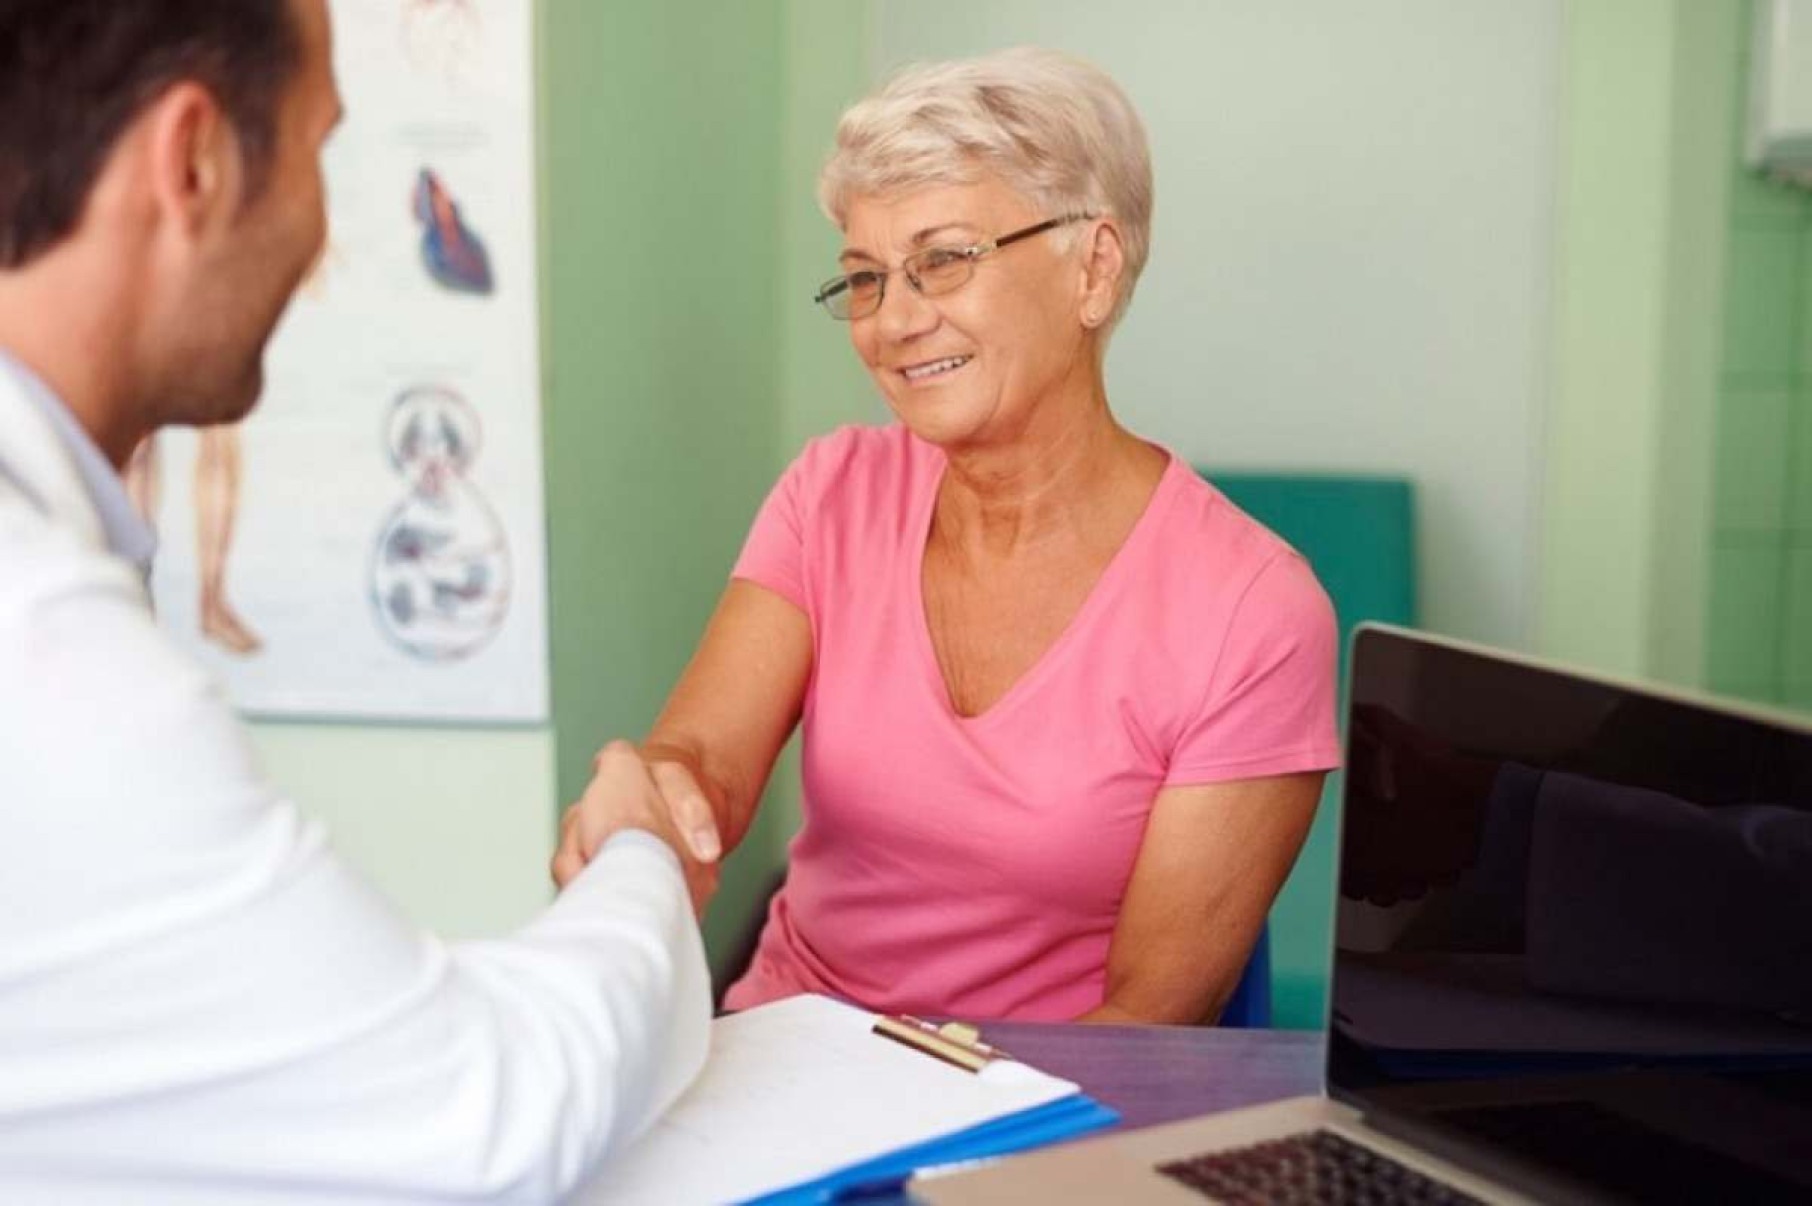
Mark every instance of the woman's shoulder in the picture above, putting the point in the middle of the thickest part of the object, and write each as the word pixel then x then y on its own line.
pixel 1229 592
pixel 861 485
pixel 1211 547
pixel 860 459
pixel 856 442
pixel 1203 518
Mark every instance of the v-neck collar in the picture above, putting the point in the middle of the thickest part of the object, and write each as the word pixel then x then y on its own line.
pixel 1050 660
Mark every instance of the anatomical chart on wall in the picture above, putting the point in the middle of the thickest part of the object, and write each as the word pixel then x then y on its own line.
pixel 369 543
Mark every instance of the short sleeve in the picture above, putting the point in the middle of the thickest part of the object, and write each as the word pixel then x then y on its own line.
pixel 773 555
pixel 1269 707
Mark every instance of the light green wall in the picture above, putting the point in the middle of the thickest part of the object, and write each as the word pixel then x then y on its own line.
pixel 1610 278
pixel 1709 37
pixel 1646 122
pixel 1678 526
pixel 456 825
pixel 822 385
pixel 685 366
pixel 1646 116
pixel 1761 602
pixel 1350 263
pixel 661 146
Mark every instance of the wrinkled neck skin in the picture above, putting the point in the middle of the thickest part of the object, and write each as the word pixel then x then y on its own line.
pixel 1066 465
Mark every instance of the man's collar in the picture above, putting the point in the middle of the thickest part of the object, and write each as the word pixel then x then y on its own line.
pixel 127 533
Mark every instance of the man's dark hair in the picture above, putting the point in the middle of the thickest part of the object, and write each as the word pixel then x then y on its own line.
pixel 75 73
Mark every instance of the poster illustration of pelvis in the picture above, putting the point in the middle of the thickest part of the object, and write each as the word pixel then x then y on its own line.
pixel 440 571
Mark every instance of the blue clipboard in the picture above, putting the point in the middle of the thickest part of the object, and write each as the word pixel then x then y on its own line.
pixel 1039 1126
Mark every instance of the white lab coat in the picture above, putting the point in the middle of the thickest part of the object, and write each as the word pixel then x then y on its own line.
pixel 200 1002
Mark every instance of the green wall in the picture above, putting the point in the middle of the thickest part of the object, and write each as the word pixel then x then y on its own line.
pixel 1761 602
pixel 454 824
pixel 1709 34
pixel 822 385
pixel 685 366
pixel 661 188
pixel 680 147
pixel 1645 127
pixel 1678 535
pixel 827 69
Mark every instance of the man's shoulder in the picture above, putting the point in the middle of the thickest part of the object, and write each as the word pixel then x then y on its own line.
pixel 31 542
pixel 46 560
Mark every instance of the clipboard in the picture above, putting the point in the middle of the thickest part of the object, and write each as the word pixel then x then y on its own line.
pixel 807 1098
pixel 954 1042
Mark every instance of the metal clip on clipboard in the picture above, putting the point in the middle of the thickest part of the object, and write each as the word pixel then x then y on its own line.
pixel 954 1042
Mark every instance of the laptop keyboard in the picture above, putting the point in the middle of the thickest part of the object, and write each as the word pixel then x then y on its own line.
pixel 1315 1167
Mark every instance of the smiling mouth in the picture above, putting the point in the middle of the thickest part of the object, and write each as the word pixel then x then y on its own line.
pixel 934 368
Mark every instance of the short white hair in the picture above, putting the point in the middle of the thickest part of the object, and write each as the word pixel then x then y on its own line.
pixel 1054 128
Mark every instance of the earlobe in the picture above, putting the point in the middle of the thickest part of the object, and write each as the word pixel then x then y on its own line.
pixel 1106 261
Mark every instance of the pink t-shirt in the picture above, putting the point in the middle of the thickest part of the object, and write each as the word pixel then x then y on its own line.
pixel 975 866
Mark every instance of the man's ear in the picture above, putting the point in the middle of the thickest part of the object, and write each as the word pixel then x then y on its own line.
pixel 197 174
pixel 1103 264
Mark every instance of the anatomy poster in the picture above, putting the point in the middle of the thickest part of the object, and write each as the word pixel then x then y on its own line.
pixel 369 543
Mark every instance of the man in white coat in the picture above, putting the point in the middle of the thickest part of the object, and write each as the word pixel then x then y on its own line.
pixel 200 1002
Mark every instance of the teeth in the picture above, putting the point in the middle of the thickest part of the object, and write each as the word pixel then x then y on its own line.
pixel 920 371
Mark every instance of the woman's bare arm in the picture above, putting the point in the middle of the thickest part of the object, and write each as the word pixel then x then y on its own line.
pixel 1210 864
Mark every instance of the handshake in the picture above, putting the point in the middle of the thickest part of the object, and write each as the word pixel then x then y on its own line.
pixel 657 791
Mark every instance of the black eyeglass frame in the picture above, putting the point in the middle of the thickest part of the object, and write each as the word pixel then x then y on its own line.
pixel 841 287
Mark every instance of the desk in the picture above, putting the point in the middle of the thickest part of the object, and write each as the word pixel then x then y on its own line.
pixel 1153 1074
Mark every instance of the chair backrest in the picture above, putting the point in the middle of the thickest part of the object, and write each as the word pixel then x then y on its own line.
pixel 1359 535
pixel 1249 1008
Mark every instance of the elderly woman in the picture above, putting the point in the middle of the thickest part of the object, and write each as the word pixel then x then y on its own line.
pixel 1066 710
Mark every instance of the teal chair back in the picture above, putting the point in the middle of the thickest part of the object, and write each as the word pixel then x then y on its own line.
pixel 1249 1008
pixel 1359 535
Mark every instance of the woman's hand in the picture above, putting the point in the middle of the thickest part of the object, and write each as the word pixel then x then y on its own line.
pixel 705 761
pixel 661 797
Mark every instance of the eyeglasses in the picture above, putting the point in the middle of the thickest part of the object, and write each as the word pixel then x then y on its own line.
pixel 931 272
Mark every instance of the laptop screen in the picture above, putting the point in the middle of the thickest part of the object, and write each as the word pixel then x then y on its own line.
pixel 1574 927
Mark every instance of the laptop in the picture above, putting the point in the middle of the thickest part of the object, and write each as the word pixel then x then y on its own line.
pixel 1572 960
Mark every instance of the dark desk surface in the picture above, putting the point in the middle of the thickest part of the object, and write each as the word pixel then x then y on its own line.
pixel 1153 1074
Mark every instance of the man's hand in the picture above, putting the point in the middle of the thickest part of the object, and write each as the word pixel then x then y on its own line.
pixel 627 793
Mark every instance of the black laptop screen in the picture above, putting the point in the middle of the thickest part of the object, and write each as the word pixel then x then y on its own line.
pixel 1574 926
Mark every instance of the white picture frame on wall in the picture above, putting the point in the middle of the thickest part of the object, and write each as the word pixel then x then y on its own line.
pixel 370 542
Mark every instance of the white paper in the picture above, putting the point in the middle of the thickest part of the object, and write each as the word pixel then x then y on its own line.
pixel 797 1089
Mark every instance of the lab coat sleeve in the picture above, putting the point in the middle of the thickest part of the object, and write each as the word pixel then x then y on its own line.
pixel 200 999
